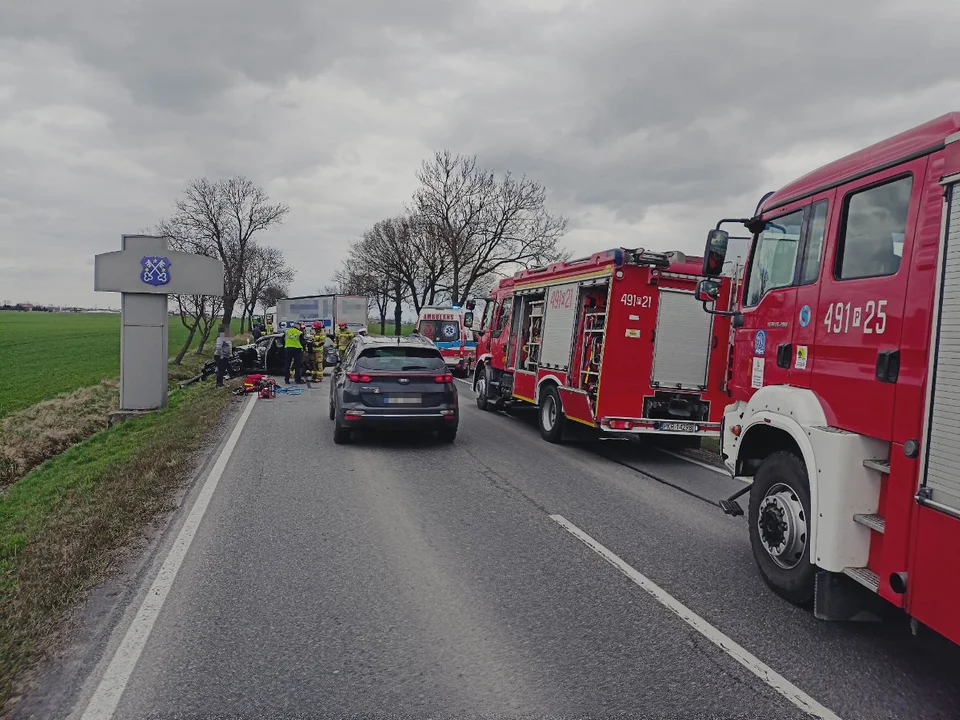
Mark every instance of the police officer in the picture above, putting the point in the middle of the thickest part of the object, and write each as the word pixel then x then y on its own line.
pixel 293 347
pixel 344 336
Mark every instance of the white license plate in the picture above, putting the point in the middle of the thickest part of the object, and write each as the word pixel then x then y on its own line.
pixel 678 427
pixel 403 400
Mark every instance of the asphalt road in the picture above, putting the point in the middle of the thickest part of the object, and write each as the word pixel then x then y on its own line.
pixel 403 577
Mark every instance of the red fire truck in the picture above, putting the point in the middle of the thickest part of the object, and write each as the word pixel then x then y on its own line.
pixel 846 380
pixel 616 341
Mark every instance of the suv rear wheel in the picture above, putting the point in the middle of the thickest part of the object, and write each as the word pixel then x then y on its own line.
pixel 447 434
pixel 341 434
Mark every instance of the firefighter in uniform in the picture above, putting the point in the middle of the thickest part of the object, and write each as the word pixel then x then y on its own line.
pixel 315 353
pixel 293 347
pixel 344 336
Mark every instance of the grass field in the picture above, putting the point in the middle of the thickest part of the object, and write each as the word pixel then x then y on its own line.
pixel 374 328
pixel 45 354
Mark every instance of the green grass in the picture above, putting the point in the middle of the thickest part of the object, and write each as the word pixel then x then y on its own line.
pixel 374 328
pixel 45 354
pixel 63 525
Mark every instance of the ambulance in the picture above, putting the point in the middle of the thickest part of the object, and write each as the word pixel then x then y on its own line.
pixel 445 326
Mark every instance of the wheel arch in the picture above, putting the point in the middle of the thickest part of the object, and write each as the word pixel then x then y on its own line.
pixel 480 366
pixel 769 433
pixel 548 380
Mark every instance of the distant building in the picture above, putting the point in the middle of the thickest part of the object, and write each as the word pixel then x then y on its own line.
pixel 27 307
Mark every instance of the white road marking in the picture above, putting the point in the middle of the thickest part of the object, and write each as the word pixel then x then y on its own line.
pixel 776 681
pixel 114 681
pixel 705 465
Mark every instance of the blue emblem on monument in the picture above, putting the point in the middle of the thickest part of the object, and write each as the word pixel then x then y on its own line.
pixel 155 270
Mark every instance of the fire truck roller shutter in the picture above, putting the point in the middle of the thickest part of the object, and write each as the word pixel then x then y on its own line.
pixel 562 303
pixel 681 353
pixel 943 455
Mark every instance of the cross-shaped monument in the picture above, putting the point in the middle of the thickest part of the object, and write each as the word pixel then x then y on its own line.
pixel 145 272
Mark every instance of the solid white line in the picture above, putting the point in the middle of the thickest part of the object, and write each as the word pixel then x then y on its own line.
pixel 783 686
pixel 107 695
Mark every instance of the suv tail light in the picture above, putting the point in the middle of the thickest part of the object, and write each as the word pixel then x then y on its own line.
pixel 448 378
pixel 357 377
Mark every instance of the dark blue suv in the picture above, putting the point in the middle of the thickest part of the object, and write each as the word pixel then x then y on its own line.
pixel 393 382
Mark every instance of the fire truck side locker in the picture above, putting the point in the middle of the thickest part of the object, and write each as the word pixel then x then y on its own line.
pixel 677 364
pixel 933 581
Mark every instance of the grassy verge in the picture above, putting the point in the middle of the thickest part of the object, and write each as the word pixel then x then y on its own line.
pixel 63 524
pixel 29 437
pixel 711 445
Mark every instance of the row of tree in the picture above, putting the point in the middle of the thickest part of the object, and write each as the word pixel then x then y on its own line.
pixel 464 228
pixel 220 219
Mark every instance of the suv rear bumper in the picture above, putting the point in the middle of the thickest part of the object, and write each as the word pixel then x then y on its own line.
pixel 398 418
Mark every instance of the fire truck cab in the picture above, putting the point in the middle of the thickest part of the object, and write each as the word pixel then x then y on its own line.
pixel 616 341
pixel 845 379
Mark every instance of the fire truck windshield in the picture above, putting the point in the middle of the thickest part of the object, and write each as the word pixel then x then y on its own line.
pixel 774 257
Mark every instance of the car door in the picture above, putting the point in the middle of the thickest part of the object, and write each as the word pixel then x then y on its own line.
pixel 862 300
pixel 768 303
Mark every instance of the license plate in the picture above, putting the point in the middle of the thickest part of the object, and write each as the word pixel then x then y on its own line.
pixel 402 400
pixel 678 427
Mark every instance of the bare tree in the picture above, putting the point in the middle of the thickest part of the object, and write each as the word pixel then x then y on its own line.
pixel 384 253
pixel 266 267
pixel 198 313
pixel 272 294
pixel 219 219
pixel 483 225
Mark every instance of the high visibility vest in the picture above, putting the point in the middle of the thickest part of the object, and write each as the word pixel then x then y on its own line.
pixel 291 338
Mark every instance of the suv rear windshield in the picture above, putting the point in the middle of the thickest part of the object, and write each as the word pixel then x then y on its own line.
pixel 394 359
pixel 440 330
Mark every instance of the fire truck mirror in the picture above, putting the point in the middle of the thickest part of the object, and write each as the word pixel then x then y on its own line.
pixel 468 319
pixel 708 290
pixel 716 252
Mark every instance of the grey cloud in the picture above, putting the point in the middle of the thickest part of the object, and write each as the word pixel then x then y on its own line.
pixel 683 104
pixel 644 120
pixel 182 54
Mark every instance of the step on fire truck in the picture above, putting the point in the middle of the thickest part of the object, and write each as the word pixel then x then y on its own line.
pixel 846 380
pixel 616 341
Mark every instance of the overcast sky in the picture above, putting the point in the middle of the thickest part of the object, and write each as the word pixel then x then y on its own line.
pixel 646 120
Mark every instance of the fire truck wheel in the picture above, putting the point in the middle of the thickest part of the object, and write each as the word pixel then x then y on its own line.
pixel 483 382
pixel 779 534
pixel 551 415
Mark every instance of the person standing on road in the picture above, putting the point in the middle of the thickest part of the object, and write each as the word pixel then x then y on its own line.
pixel 315 353
pixel 293 347
pixel 222 352
pixel 344 336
